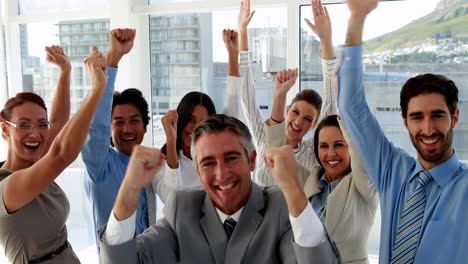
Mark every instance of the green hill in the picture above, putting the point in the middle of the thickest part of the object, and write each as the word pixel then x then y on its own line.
pixel 448 20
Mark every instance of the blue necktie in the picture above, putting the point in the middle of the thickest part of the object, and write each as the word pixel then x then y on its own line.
pixel 409 226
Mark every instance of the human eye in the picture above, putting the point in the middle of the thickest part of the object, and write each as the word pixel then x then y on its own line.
pixel 43 126
pixel 24 126
pixel 118 123
pixel 208 164
pixel 231 158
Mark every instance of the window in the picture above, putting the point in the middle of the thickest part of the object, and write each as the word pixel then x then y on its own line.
pixel 28 7
pixel 418 42
pixel 188 54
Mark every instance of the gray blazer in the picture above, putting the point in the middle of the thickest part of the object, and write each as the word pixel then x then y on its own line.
pixel 192 232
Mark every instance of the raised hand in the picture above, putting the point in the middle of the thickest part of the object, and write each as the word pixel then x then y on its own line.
pixel 322 27
pixel 244 15
pixel 285 80
pixel 284 171
pixel 143 165
pixel 56 56
pixel 283 166
pixel 231 42
pixel 96 65
pixel 169 122
pixel 121 43
pixel 361 7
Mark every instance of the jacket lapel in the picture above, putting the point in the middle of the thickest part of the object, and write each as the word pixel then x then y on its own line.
pixel 336 204
pixel 311 186
pixel 249 221
pixel 214 231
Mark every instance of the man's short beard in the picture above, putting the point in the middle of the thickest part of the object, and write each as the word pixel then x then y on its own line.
pixel 437 156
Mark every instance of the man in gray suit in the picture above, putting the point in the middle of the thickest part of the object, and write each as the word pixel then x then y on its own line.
pixel 256 229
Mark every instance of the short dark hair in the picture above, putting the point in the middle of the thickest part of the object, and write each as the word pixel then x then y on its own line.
pixel 309 96
pixel 218 123
pixel 135 97
pixel 184 112
pixel 20 99
pixel 429 83
pixel 331 120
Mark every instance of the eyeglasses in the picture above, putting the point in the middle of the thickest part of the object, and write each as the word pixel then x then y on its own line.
pixel 28 127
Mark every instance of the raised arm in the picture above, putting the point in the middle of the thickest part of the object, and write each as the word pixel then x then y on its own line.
pixel 143 165
pixel 373 148
pixel 169 122
pixel 25 185
pixel 323 29
pixel 284 81
pixel 60 111
pixel 95 152
pixel 249 105
pixel 311 244
pixel 234 82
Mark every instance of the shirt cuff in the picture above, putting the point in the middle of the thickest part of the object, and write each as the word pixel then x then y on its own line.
pixel 119 232
pixel 329 66
pixel 244 58
pixel 307 229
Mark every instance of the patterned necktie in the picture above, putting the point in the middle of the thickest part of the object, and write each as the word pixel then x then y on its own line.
pixel 151 204
pixel 409 226
pixel 229 225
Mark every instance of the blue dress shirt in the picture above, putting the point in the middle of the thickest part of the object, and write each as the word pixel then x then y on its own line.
pixel 319 200
pixel 105 165
pixel 444 233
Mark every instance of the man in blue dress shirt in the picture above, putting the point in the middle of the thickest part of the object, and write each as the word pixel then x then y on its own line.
pixel 122 117
pixel 423 200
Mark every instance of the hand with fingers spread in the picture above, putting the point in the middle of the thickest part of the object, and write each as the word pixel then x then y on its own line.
pixel 169 122
pixel 285 80
pixel 245 16
pixel 121 43
pixel 57 56
pixel 231 42
pixel 322 25
pixel 96 65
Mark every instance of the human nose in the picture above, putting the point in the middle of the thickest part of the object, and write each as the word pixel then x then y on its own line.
pixel 331 151
pixel 427 127
pixel 221 171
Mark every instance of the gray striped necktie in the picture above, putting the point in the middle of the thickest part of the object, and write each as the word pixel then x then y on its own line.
pixel 229 225
pixel 151 204
pixel 409 226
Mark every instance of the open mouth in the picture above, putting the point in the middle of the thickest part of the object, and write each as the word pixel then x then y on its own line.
pixel 226 187
pixel 127 139
pixel 333 162
pixel 430 141
pixel 31 145
pixel 294 128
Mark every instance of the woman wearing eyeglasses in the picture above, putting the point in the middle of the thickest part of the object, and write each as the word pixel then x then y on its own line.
pixel 33 208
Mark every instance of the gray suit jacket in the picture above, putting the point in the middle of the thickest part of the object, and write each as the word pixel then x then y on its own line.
pixel 192 232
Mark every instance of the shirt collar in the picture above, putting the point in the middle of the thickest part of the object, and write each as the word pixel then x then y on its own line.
pixel 441 173
pixel 223 216
pixel 323 182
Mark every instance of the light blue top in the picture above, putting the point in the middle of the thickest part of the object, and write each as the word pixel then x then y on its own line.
pixel 444 233
pixel 105 165
pixel 319 200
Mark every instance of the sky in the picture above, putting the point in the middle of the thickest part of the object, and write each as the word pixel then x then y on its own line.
pixel 388 17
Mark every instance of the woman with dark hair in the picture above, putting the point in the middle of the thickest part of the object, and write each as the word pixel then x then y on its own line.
pixel 192 110
pixel 340 192
pixel 34 208
pixel 178 126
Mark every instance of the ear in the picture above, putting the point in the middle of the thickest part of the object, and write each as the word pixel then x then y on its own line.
pixel 405 121
pixel 455 117
pixel 253 158
pixel 5 132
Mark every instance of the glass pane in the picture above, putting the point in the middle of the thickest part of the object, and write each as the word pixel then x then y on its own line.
pixel 155 2
pixel 39 76
pixel 188 54
pixel 28 7
pixel 427 37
